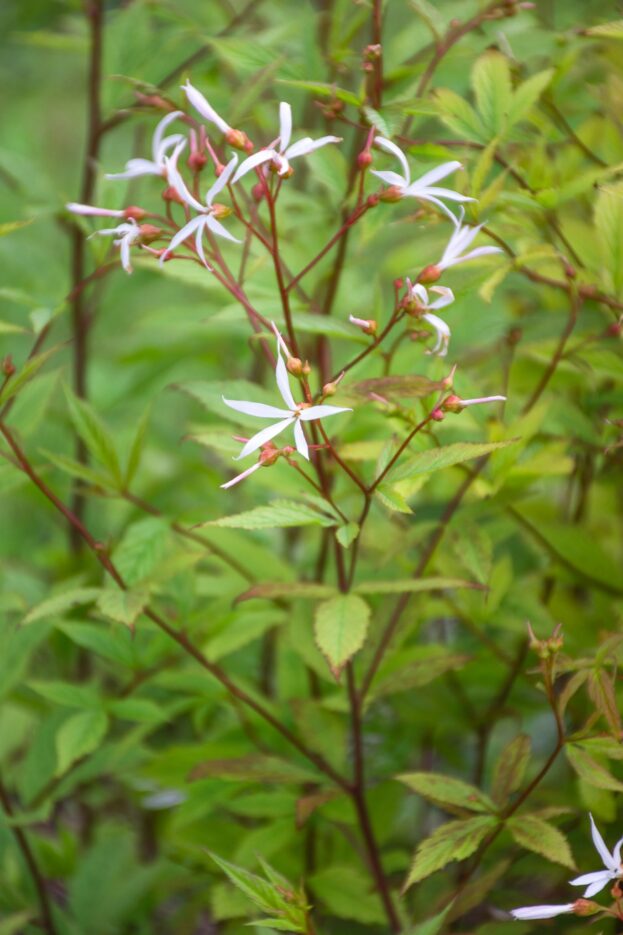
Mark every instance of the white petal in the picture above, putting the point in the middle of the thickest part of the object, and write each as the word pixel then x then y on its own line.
pixel 419 291
pixel 391 147
pixel 168 143
pixel 222 180
pixel 307 145
pixel 260 410
pixel 283 383
pixel 300 441
pixel 616 853
pixel 264 436
pixel 597 886
pixel 135 168
pixel 285 125
pixel 177 182
pixel 217 228
pixel 390 178
pixel 440 172
pixel 446 296
pixel 239 477
pixel 158 136
pixel 600 847
pixel 90 210
pixel 182 235
pixel 425 197
pixel 125 253
pixel 541 912
pixel 443 334
pixel 479 251
pixel 594 877
pixel 446 193
pixel 199 244
pixel 483 399
pixel 200 104
pixel 281 344
pixel 252 162
pixel 321 412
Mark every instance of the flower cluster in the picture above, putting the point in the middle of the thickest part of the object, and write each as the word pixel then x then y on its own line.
pixel 594 882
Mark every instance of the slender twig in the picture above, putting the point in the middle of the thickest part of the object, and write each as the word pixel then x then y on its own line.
pixel 574 308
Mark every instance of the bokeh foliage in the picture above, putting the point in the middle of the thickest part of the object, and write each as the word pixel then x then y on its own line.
pixel 123 762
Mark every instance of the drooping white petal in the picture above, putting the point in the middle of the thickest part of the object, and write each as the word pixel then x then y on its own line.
pixel 439 172
pixel 446 193
pixel 260 410
pixel 390 178
pixel 177 182
pixel 134 168
pixel 285 125
pixel 391 147
pixel 424 196
pixel 160 131
pixel 281 344
pixel 541 912
pixel 239 477
pixel 217 228
pixel 222 180
pixel 264 436
pixel 478 251
pixel 442 332
pixel 483 399
pixel 616 853
pixel 587 878
pixel 199 243
pixel 182 235
pixel 419 291
pixel 252 162
pixel 283 383
pixel 446 297
pixel 321 412
pixel 600 847
pixel 598 885
pixel 168 143
pixel 124 245
pixel 91 211
pixel 300 441
pixel 307 145
pixel 200 104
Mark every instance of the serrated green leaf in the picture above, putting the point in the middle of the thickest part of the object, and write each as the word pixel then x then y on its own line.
pixel 278 514
pixel 255 767
pixel 79 735
pixel 539 836
pixel 80 471
pixel 413 585
pixel 344 891
pixel 59 603
pixel 446 790
pixel 609 225
pixel 527 94
pixel 122 606
pixel 347 534
pixel 324 90
pixel 510 768
pixel 94 434
pixel 136 451
pixel 270 590
pixel 9 226
pixel 448 455
pixel 491 82
pixel 403 387
pixel 340 628
pixel 376 120
pixel 392 499
pixel 612 30
pixel 142 547
pixel 413 668
pixel 455 840
pixel 459 116
pixel 590 770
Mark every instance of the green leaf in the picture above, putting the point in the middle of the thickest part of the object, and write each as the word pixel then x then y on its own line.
pixel 122 606
pixel 9 226
pixel 404 387
pixel 26 374
pixel 412 668
pixel 376 120
pixel 609 225
pixel 446 790
pixel 255 767
pixel 141 549
pixel 527 94
pixel 392 499
pixel 590 770
pixel 64 693
pixel 448 455
pixel 262 893
pixel 510 768
pixel 292 589
pixel 324 90
pixel 79 735
pixel 81 471
pixel 17 922
pixel 278 514
pixel 57 605
pixel 345 892
pixel 539 836
pixel 340 629
pixel 455 840
pixel 459 116
pixel 347 534
pixel 433 925
pixel 612 30
pixel 413 585
pixel 134 458
pixel 94 434
pixel 491 82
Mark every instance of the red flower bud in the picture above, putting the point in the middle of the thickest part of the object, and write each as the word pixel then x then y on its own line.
pixel 134 212
pixel 429 274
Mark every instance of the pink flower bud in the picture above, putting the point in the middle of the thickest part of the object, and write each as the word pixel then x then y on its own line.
pixel 239 140
pixel 295 366
pixel 149 233
pixel 220 211
pixel 134 212
pixel 364 159
pixel 437 415
pixel 367 325
pixel 429 274
pixel 391 194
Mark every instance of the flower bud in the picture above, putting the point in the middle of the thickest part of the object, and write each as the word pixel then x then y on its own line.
pixel 364 159
pixel 391 194
pixel 329 389
pixel 239 140
pixel 258 192
pixel 8 367
pixel 437 415
pixel 220 211
pixel 269 454
pixel 295 366
pixel 586 907
pixel 306 368
pixel 149 233
pixel 135 213
pixel 170 194
pixel 372 200
pixel 196 161
pixel 614 329
pixel 449 380
pixel 373 52
pixel 570 271
pixel 452 404
pixel 429 274
pixel 367 325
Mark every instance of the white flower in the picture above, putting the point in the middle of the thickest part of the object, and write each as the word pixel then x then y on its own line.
pixel 293 415
pixel 91 211
pixel 127 234
pixel 423 188
pixel 281 152
pixel 200 104
pixel 160 146
pixel 239 477
pixel 459 241
pixel 205 212
pixel 419 294
pixel 541 912
pixel 612 862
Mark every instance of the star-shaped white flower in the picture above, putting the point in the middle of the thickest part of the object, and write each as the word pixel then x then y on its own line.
pixel 294 414
pixel 596 881
pixel 160 146
pixel 423 188
pixel 541 912
pixel 460 239
pixel 127 234
pixel 281 151
pixel 205 212
pixel 418 294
